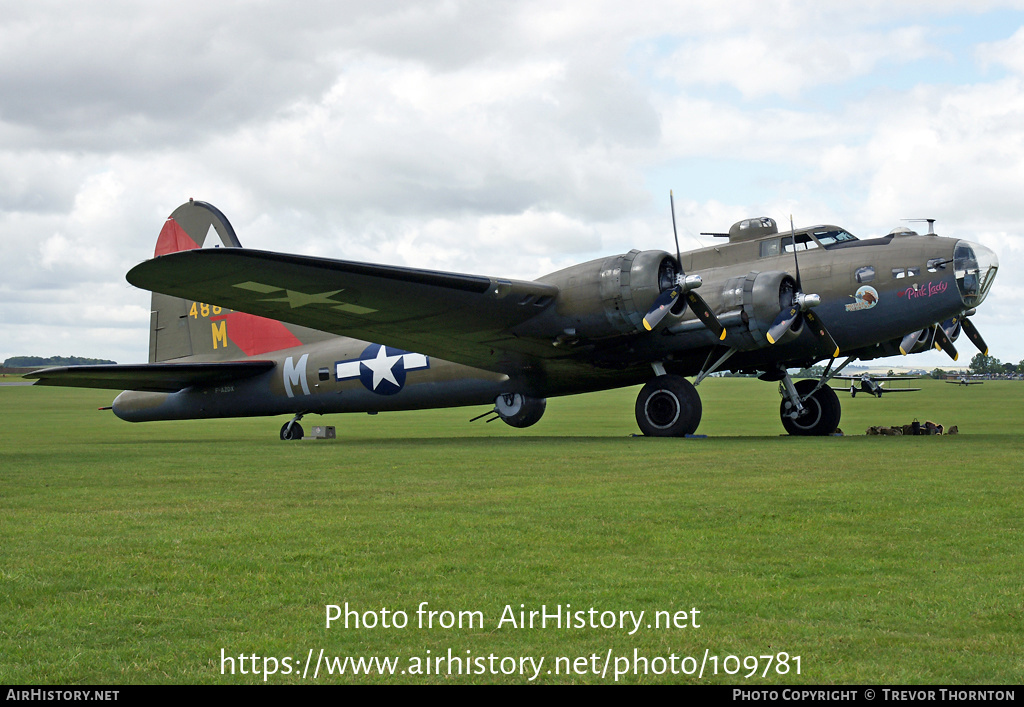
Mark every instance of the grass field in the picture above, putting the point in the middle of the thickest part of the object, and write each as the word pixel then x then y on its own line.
pixel 137 553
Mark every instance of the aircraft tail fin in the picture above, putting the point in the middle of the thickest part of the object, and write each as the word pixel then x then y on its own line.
pixel 182 329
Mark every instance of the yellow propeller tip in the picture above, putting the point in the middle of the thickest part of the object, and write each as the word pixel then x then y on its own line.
pixel 647 326
pixel 722 337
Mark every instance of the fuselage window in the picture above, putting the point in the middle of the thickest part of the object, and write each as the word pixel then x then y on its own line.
pixel 898 273
pixel 913 272
pixel 770 248
pixel 936 264
pixel 803 242
pixel 865 274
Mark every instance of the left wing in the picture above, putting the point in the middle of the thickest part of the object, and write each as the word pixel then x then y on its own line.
pixel 155 377
pixel 461 318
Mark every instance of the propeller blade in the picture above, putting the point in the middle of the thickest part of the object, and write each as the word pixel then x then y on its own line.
pixel 661 307
pixel 796 261
pixel 910 340
pixel 672 202
pixel 782 323
pixel 942 342
pixel 952 328
pixel 704 313
pixel 974 336
pixel 821 333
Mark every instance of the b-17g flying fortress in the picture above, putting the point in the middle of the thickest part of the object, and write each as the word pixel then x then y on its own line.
pixel 239 332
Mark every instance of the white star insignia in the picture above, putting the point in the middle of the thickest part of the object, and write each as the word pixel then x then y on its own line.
pixel 382 367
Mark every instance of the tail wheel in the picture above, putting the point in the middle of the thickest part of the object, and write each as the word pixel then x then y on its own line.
pixel 668 406
pixel 291 430
pixel 821 411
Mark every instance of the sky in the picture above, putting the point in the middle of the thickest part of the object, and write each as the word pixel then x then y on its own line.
pixel 508 138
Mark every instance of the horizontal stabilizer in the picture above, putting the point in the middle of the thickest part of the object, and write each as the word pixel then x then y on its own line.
pixel 154 377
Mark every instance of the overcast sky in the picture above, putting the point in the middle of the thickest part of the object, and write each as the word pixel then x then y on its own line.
pixel 502 138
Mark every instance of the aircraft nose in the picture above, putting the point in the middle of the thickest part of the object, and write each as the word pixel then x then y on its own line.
pixel 975 268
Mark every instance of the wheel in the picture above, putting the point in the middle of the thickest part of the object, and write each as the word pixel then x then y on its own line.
pixel 668 406
pixel 821 411
pixel 519 410
pixel 291 430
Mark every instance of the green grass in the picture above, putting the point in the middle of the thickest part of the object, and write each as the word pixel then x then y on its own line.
pixel 135 553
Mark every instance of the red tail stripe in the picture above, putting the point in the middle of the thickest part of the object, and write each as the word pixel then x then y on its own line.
pixel 257 335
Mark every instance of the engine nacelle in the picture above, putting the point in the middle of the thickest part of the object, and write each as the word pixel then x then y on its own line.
pixel 519 410
pixel 760 296
pixel 610 296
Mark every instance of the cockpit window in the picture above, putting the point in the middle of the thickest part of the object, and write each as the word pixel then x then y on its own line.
pixel 837 236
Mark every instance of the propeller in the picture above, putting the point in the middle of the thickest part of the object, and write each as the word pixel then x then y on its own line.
pixel 950 330
pixel 942 342
pixel 800 306
pixel 910 341
pixel 684 287
pixel 974 335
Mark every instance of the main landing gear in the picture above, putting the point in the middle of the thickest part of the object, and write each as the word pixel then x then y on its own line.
pixel 809 408
pixel 668 406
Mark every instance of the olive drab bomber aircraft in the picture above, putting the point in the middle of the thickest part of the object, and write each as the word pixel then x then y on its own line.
pixel 239 332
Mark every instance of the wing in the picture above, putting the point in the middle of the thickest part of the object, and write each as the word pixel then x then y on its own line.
pixel 461 318
pixel 156 377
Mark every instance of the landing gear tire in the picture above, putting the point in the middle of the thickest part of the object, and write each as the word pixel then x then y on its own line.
pixel 291 430
pixel 821 411
pixel 668 406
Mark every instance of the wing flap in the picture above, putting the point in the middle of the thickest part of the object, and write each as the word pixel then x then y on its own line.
pixel 154 377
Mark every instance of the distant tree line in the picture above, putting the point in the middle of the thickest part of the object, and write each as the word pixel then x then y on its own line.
pixel 982 364
pixel 30 361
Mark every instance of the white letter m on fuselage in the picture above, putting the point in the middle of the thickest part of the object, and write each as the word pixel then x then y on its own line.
pixel 295 375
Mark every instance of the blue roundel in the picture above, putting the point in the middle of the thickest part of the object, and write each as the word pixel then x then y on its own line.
pixel 381 369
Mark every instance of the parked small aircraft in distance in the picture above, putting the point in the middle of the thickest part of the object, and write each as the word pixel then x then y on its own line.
pixel 964 380
pixel 874 385
pixel 239 332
